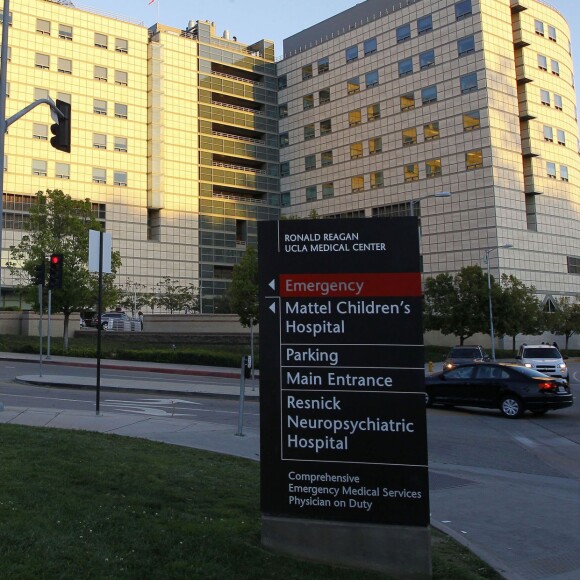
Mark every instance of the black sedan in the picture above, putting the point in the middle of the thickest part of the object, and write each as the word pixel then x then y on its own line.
pixel 510 388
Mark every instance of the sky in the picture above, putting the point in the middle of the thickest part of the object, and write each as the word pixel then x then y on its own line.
pixel 275 20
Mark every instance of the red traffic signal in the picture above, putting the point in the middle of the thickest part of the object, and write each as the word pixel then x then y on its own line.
pixel 55 272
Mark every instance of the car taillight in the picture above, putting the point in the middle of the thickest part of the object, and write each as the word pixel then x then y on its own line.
pixel 547 386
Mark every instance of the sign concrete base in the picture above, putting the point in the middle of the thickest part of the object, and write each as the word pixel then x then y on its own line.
pixel 399 551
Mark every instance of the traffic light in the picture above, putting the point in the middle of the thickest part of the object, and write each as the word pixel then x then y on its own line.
pixel 39 274
pixel 55 272
pixel 248 367
pixel 61 129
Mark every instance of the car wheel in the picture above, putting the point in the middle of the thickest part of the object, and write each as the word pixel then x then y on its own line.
pixel 428 400
pixel 511 407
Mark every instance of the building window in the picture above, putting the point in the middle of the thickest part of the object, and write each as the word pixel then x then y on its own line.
pixel 99 175
pixel 121 45
pixel 468 83
pixel 310 162
pixel 65 32
pixel 551 169
pixel 40 94
pixel 433 167
pixel 372 79
pixel 40 131
pixel 323 96
pixel 471 121
pixel 351 53
pixel 66 97
pixel 462 9
pixel 465 45
pixel 307 72
pixel 474 159
pixel 431 131
pixel 328 189
pixel 376 179
pixel 283 111
pixel 357 183
pixel 39 167
pixel 99 141
pixel 99 107
pixel 325 127
pixel 373 112
pixel 42 61
pixel 411 172
pixel 282 83
pixel 42 26
pixel 558 102
pixel 309 132
pixel 285 169
pixel 563 173
pixel 539 26
pixel 354 118
pixel 307 102
pixel 555 68
pixel 284 140
pixel 353 85
pixel 101 40
pixel 403 32
pixel 100 73
pixel 407 102
pixel 545 97
pixel 326 158
pixel 121 111
pixel 285 199
pixel 62 170
pixel 323 65
pixel 375 145
pixel 573 265
pixel 429 94
pixel 120 144
pixel 120 178
pixel 426 59
pixel 311 193
pixel 356 150
pixel 153 225
pixel 64 66
pixel 121 78
pixel 370 46
pixel 409 136
pixel 552 33
pixel 542 62
pixel 424 24
pixel 405 67
pixel 548 133
pixel 561 137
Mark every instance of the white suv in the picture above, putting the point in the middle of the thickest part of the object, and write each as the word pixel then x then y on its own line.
pixel 543 358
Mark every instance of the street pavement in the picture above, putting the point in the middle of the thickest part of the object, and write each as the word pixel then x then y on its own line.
pixel 525 526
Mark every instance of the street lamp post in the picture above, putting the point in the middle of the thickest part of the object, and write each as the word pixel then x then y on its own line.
pixel 488 251
pixel 437 194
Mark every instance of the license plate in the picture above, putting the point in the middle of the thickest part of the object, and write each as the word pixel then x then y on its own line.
pixel 561 389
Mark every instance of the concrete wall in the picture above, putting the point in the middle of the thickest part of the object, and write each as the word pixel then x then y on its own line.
pixel 26 324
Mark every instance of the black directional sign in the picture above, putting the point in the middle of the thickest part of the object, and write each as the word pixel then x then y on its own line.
pixel 343 429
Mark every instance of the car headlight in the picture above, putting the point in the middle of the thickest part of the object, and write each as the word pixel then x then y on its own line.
pixel 563 366
pixel 528 365
pixel 448 365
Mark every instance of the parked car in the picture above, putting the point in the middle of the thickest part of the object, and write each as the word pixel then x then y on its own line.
pixel 544 358
pixel 119 321
pixel 459 355
pixel 511 388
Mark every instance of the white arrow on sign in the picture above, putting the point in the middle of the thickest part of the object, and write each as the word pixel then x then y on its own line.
pixel 273 307
pixel 272 284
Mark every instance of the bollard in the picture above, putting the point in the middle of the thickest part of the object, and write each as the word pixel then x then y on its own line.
pixel 430 366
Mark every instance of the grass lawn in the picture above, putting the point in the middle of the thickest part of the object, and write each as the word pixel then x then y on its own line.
pixel 80 505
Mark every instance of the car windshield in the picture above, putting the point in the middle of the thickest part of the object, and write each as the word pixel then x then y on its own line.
pixel 542 353
pixel 465 353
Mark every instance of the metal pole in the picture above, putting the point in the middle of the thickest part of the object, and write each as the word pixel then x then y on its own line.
pixel 49 325
pixel 99 322
pixel 487 252
pixel 3 77
pixel 242 393
pixel 40 330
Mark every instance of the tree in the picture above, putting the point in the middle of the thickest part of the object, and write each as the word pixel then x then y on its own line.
pixel 566 319
pixel 130 298
pixel 59 224
pixel 458 305
pixel 517 309
pixel 174 297
pixel 243 292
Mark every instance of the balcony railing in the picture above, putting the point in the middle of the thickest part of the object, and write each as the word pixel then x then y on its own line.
pixel 238 167
pixel 239 198
pixel 235 78
pixel 238 137
pixel 237 107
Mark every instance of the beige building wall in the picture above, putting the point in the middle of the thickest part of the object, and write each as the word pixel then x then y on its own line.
pixel 494 167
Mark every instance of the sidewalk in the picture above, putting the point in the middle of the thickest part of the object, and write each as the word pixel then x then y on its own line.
pixel 524 525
